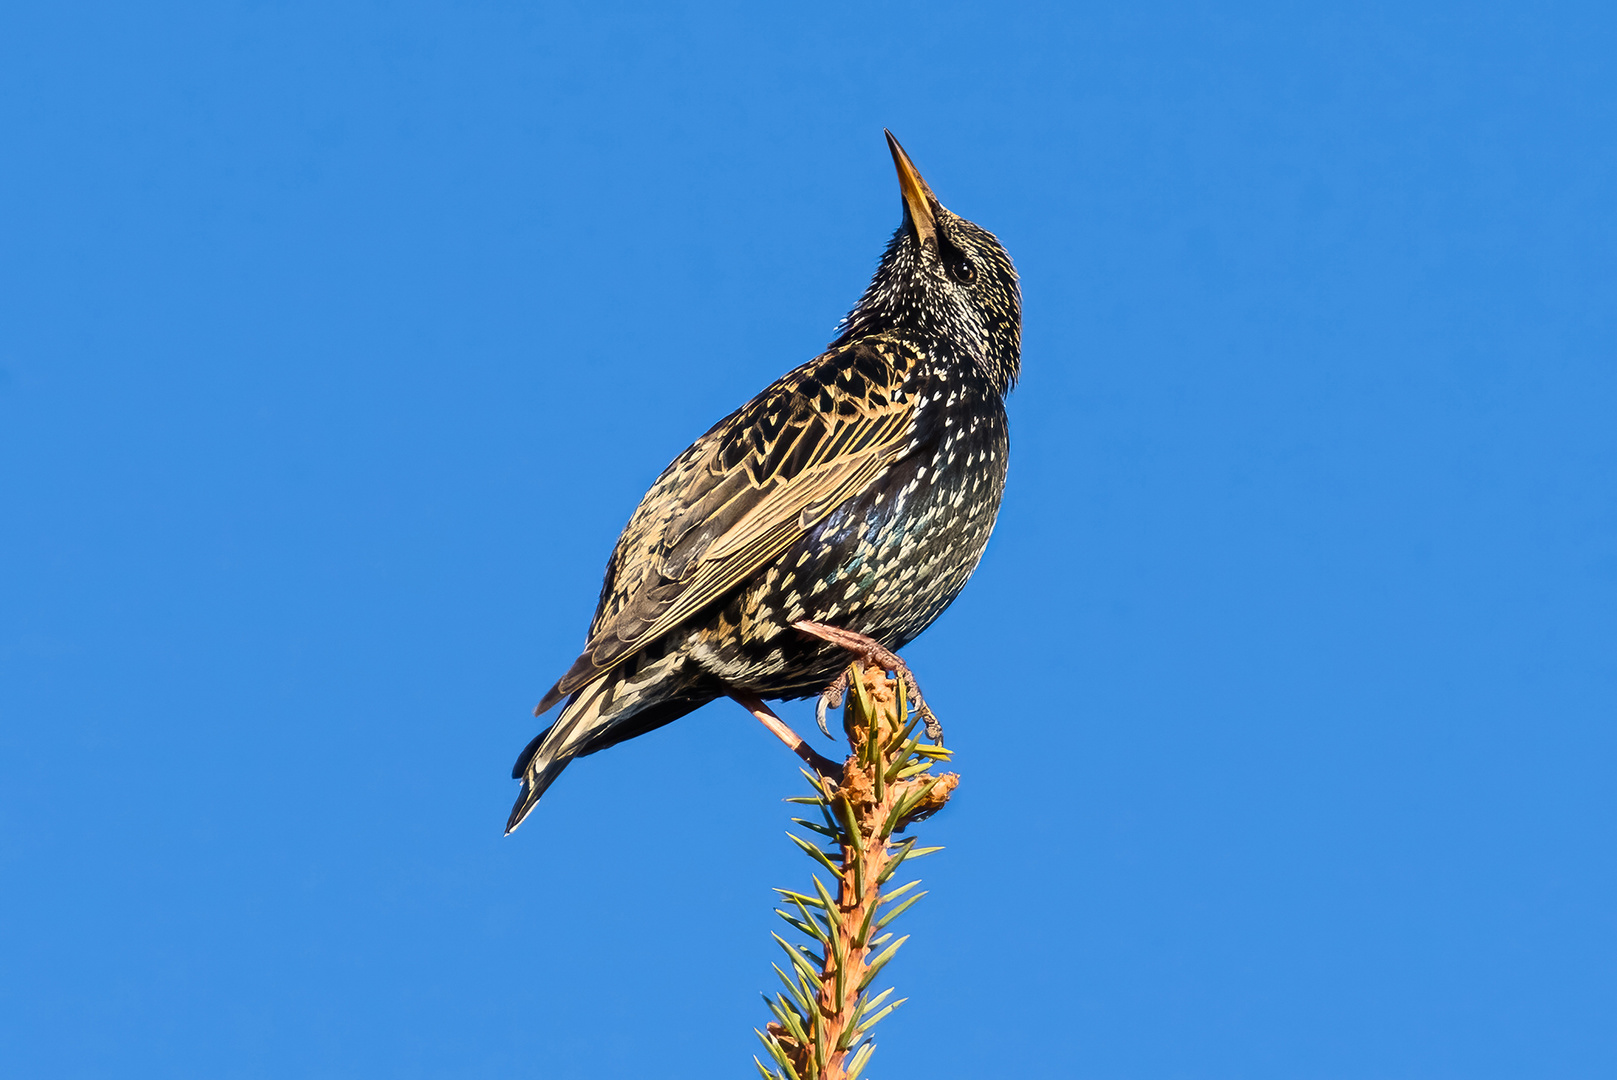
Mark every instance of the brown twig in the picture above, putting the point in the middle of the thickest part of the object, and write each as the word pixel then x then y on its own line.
pixel 885 785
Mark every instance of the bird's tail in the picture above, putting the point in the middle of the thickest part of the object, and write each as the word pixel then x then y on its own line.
pixel 548 754
pixel 617 706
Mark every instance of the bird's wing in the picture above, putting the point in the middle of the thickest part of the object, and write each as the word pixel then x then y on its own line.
pixel 745 491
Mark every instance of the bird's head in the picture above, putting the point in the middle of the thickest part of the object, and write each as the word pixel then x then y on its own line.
pixel 945 276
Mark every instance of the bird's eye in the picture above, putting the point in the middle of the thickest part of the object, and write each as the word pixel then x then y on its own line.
pixel 956 263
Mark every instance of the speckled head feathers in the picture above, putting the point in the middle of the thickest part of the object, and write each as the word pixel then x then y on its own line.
pixel 947 279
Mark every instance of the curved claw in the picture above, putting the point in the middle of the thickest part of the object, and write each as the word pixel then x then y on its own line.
pixel 831 698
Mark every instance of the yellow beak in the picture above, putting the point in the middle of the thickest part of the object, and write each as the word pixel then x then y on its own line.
pixel 919 202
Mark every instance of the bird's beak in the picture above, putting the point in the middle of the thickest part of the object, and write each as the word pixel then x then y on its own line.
pixel 920 205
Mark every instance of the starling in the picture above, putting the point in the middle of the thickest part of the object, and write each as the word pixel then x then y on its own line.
pixel 856 492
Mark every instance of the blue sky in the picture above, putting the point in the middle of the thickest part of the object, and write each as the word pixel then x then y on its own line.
pixel 338 341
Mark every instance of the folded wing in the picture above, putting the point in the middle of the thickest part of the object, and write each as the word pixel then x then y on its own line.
pixel 746 491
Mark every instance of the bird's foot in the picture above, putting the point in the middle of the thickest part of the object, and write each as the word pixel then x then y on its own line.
pixel 871 652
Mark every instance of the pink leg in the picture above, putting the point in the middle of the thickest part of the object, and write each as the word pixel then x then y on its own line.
pixel 794 742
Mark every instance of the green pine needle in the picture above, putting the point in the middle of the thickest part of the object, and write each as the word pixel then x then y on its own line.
pixel 813 852
pixel 861 1058
pixel 899 910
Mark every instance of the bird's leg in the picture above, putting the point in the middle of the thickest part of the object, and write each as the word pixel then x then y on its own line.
pixel 871 652
pixel 795 742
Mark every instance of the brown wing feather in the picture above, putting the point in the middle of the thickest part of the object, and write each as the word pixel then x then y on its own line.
pixel 744 492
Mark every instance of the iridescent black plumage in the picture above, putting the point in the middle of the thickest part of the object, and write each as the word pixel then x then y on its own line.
pixel 858 490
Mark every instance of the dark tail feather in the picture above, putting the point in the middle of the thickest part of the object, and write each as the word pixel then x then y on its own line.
pixel 528 797
pixel 548 754
pixel 527 754
pixel 592 721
